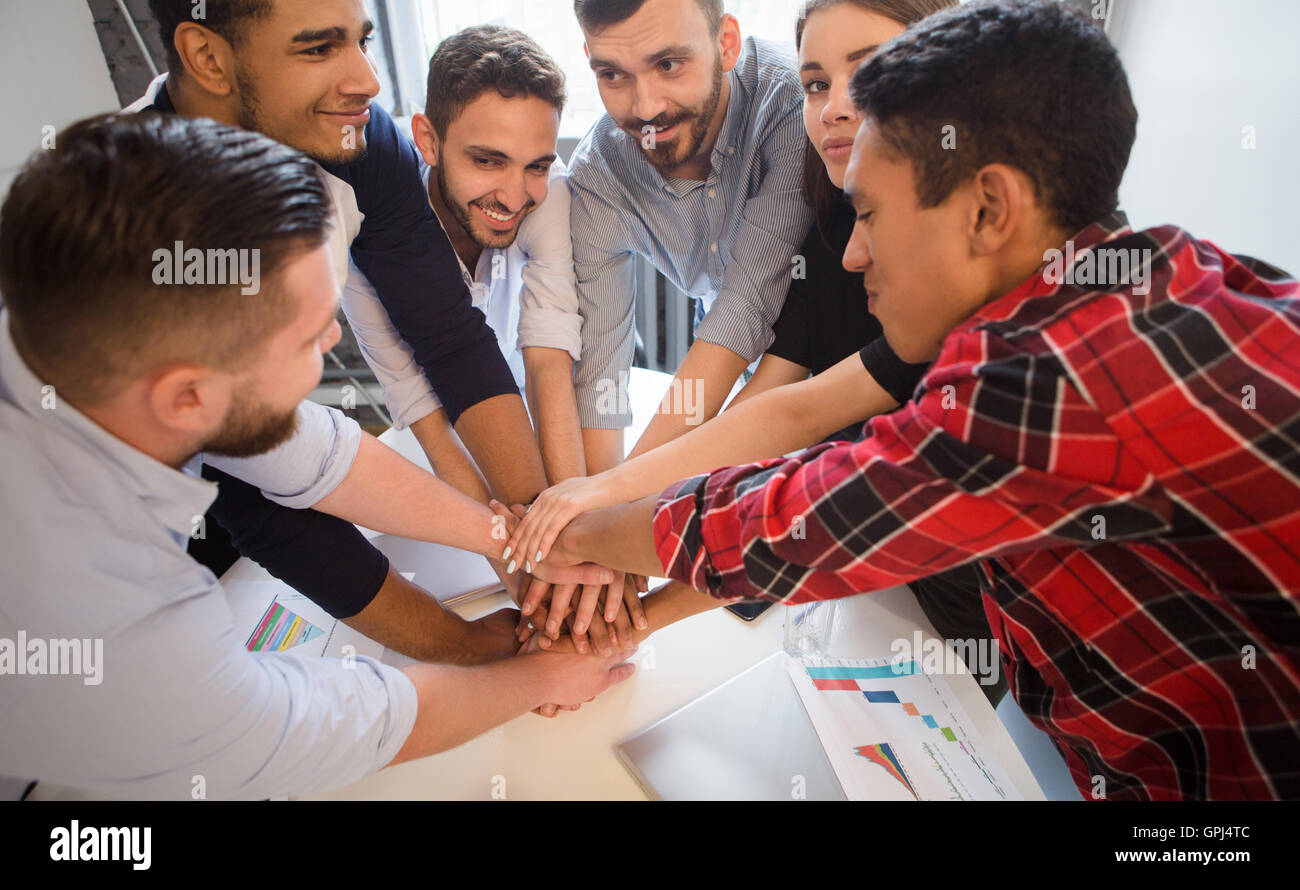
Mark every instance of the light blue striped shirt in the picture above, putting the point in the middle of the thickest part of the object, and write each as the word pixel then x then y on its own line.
pixel 729 240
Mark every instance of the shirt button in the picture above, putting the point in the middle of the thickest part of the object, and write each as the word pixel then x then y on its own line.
pixel 714 247
pixel 731 149
pixel 713 193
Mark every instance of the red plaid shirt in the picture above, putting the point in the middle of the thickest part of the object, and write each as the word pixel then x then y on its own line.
pixel 1125 468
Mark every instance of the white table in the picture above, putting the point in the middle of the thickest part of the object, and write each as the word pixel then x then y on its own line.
pixel 572 756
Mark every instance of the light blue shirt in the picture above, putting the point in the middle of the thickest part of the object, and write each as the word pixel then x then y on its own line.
pixel 730 240
pixel 94 536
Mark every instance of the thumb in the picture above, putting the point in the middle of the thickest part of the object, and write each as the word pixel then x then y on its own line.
pixel 620 673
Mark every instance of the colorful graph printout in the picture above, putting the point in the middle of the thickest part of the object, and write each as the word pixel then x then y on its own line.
pixel 893 732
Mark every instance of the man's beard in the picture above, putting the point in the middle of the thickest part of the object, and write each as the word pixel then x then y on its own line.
pixel 665 158
pixel 492 240
pixel 251 118
pixel 251 428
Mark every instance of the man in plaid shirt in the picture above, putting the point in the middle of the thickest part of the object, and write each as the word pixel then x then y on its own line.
pixel 1109 428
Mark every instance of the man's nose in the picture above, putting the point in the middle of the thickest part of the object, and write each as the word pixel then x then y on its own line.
pixel 513 194
pixel 647 104
pixel 856 255
pixel 360 77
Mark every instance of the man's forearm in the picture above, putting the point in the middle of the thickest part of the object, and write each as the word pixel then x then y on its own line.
pixel 696 394
pixel 555 412
pixel 409 620
pixel 671 603
pixel 386 492
pixel 497 433
pixel 448 457
pixel 459 703
pixel 602 449
pixel 620 537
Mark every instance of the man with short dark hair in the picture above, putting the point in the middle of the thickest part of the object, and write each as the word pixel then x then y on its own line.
pixel 498 189
pixel 1107 431
pixel 169 293
pixel 696 168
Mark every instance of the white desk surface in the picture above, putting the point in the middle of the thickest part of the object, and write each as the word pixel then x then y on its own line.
pixel 571 757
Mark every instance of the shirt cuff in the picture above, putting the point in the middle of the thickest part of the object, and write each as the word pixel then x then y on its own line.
pixel 604 403
pixel 679 532
pixel 409 401
pixel 305 468
pixel 403 707
pixel 732 327
pixel 551 328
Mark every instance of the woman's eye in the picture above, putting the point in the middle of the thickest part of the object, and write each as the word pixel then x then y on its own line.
pixel 815 86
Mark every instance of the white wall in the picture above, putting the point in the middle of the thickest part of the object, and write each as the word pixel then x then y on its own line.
pixel 52 71
pixel 1200 71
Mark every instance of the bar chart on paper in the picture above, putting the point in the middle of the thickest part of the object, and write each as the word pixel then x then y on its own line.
pixel 893 732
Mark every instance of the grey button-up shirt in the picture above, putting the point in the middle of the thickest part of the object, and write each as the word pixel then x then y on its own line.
pixel 730 240
pixel 162 699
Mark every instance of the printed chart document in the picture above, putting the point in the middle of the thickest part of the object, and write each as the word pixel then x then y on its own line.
pixel 289 622
pixel 893 732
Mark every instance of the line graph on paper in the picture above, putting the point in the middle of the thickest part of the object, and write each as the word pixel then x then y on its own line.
pixel 893 732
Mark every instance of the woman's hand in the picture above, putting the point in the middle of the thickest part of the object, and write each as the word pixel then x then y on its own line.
pixel 552 511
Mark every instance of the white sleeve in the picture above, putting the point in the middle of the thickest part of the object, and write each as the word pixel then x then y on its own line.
pixel 548 310
pixel 182 705
pixel 301 471
pixel 407 390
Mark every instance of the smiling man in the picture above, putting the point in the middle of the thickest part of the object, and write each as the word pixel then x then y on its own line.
pixel 1115 454
pixel 696 167
pixel 299 71
pixel 498 188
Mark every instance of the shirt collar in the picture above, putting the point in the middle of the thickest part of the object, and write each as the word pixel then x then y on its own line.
pixel 470 278
pixel 737 112
pixel 1108 228
pixel 171 496
pixel 162 100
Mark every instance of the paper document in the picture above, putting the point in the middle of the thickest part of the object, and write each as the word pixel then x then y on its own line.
pixel 893 732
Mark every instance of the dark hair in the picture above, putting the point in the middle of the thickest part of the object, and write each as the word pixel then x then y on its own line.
pixel 227 18
pixel 1028 83
pixel 820 193
pixel 596 15
pixel 488 57
pixel 82 223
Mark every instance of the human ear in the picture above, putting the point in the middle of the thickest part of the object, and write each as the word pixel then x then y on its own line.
pixel 189 400
pixel 426 139
pixel 207 58
pixel 729 42
pixel 997 194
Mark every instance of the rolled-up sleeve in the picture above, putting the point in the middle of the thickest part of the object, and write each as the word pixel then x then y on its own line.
pixel 548 304
pixel 606 276
pixel 307 467
pixel 183 708
pixel 407 391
